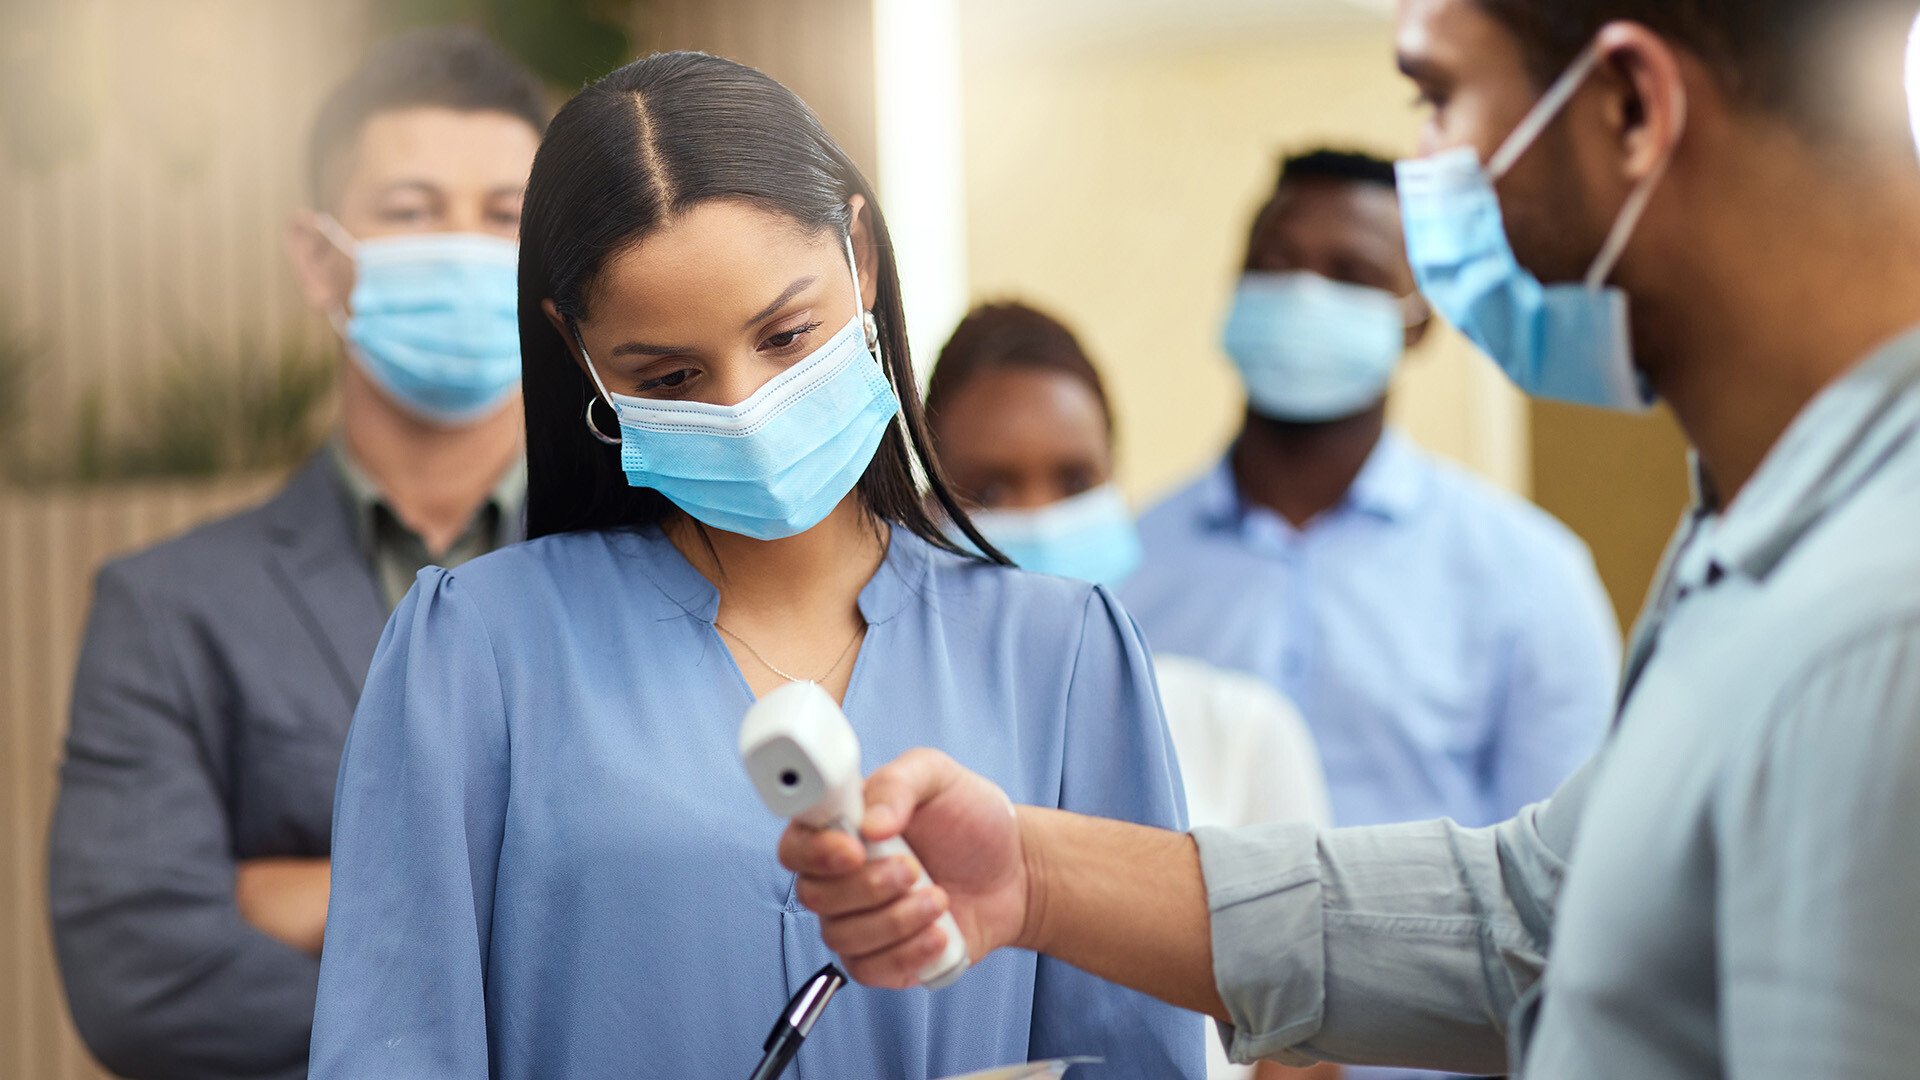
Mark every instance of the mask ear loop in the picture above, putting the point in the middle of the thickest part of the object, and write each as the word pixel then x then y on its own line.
pixel 869 325
pixel 329 227
pixel 334 233
pixel 594 374
pixel 1544 113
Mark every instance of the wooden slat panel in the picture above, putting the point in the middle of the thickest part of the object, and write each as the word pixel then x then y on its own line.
pixel 50 546
pixel 165 225
pixel 168 226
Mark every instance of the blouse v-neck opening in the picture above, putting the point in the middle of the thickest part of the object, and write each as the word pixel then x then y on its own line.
pixel 899 577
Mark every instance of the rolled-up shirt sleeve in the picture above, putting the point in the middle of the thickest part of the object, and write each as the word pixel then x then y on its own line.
pixel 1404 945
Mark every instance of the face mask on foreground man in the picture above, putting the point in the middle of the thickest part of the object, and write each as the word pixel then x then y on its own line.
pixel 1723 205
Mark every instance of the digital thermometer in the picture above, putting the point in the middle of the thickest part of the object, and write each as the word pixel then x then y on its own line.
pixel 805 761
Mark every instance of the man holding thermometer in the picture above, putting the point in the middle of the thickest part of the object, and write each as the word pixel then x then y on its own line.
pixel 1714 204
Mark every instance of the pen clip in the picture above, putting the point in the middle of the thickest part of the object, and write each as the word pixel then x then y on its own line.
pixel 804 1010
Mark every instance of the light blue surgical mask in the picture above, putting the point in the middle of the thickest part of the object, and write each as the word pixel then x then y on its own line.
pixel 776 464
pixel 1090 537
pixel 1568 342
pixel 1310 349
pixel 435 320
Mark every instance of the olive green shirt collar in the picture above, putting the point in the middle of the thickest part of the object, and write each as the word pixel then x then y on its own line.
pixel 396 553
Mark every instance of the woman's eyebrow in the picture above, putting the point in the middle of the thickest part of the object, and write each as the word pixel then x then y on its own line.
pixel 632 348
pixel 780 301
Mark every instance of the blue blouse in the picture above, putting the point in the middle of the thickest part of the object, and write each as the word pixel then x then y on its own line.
pixel 548 860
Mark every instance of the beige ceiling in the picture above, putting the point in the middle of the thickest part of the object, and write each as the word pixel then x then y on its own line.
pixel 1056 24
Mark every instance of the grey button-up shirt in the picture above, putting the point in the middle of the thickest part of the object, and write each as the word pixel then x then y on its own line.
pixel 1731 889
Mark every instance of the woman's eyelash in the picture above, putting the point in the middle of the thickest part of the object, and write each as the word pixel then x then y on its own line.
pixel 792 336
pixel 671 380
pixel 674 380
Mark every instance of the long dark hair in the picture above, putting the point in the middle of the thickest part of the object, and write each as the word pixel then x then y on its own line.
pixel 656 137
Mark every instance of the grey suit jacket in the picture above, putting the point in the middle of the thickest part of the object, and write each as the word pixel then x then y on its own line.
pixel 215 686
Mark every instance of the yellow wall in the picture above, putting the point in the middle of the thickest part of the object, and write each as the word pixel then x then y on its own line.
pixel 1114 184
pixel 1621 482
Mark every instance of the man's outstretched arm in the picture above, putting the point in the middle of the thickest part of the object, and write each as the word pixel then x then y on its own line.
pixel 1406 945
pixel 1125 902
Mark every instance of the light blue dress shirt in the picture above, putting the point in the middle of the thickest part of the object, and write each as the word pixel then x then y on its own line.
pixel 1730 890
pixel 1449 645
pixel 548 860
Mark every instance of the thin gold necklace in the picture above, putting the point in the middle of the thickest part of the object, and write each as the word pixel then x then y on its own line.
pixel 768 664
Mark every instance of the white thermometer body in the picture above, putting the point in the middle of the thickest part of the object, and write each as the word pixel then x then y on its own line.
pixel 805 761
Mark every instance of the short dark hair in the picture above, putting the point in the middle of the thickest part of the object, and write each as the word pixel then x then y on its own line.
pixel 453 67
pixel 1774 54
pixel 1326 163
pixel 1010 335
pixel 1320 164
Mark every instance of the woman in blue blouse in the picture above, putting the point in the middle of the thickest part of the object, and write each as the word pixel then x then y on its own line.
pixel 548 860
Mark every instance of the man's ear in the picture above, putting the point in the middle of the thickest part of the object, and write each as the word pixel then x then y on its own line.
pixel 323 272
pixel 866 253
pixel 1650 110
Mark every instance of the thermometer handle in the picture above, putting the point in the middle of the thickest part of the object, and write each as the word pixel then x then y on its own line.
pixel 952 962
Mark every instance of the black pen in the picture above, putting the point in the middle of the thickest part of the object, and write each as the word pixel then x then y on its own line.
pixel 797 1020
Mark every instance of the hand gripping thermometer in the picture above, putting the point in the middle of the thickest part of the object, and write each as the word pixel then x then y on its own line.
pixel 805 761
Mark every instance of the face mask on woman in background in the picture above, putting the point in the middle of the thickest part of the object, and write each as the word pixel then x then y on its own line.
pixel 1024 432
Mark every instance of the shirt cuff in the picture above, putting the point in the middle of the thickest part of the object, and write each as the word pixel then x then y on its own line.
pixel 1269 948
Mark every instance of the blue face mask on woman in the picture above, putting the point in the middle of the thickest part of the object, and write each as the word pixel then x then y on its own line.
pixel 776 464
pixel 1566 342
pixel 1090 537
pixel 435 320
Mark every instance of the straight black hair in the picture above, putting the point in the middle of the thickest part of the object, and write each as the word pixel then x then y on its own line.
pixel 629 153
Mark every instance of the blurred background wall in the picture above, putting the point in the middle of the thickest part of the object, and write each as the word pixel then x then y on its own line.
pixel 1099 157
pixel 1116 151
pixel 1113 176
pixel 156 366
pixel 148 158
